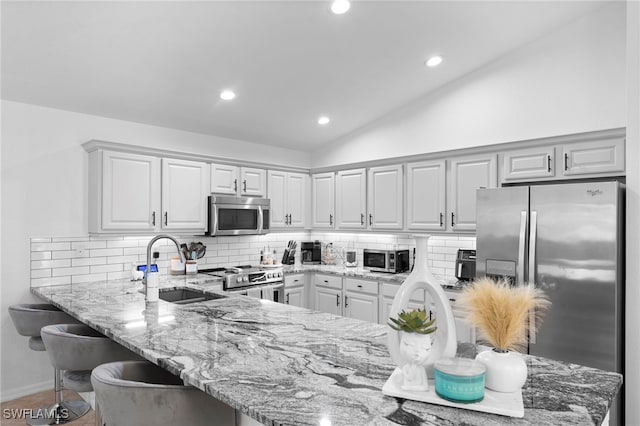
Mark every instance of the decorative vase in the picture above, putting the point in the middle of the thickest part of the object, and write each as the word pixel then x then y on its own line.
pixel 415 347
pixel 444 342
pixel 506 371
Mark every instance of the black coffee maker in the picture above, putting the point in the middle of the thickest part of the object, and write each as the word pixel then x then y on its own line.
pixel 311 252
pixel 466 265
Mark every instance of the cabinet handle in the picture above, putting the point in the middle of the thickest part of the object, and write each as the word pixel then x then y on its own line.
pixel 166 218
pixel 361 218
pixel 326 281
pixel 346 301
pixel 370 219
pixel 453 219
pixel 549 163
pixel 359 285
pixel 441 219
pixel 337 300
pixel 244 185
pixel 153 218
pixel 287 298
pixel 566 161
pixel 330 219
pixel 235 185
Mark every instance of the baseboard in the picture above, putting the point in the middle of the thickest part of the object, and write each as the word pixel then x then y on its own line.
pixel 15 393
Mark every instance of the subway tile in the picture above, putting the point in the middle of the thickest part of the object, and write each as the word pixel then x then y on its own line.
pixel 41 240
pixel 40 255
pixel 106 268
pixel 106 252
pixel 84 245
pixel 104 237
pixel 40 273
pixel 134 258
pixel 39 282
pixel 88 278
pixel 50 246
pixel 122 243
pixel 118 275
pixel 77 270
pixel 88 261
pixel 69 239
pixel 69 254
pixel 43 264
pixel 134 250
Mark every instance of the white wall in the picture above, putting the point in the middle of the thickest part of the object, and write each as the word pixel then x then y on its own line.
pixel 44 193
pixel 570 81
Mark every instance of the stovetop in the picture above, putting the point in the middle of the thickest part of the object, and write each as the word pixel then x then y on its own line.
pixel 245 276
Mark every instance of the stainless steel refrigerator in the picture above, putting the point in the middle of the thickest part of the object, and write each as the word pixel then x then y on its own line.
pixel 568 239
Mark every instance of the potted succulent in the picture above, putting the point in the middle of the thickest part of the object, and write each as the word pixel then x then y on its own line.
pixel 415 344
pixel 506 317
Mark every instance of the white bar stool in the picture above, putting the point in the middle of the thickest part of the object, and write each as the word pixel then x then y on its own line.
pixel 77 349
pixel 143 394
pixel 28 319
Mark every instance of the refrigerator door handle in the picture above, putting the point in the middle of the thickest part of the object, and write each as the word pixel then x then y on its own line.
pixel 521 244
pixel 532 271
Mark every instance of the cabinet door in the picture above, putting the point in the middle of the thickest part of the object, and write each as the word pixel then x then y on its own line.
pixel 593 157
pixel 528 164
pixel 224 179
pixel 295 296
pixel 467 175
pixel 297 188
pixel 385 308
pixel 426 188
pixel 385 197
pixel 351 199
pixel 130 192
pixel 253 182
pixel 185 186
pixel 361 306
pixel 322 214
pixel 277 193
pixel 328 300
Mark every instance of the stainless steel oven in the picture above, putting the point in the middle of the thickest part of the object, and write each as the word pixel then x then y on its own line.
pixel 238 215
pixel 262 283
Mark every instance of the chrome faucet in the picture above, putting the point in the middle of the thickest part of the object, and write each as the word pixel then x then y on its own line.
pixel 153 240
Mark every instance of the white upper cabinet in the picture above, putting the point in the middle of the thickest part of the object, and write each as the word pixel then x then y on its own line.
pixel 124 192
pixel 253 182
pixel 602 156
pixel 224 179
pixel 467 175
pixel 351 199
pixel 386 197
pixel 233 180
pixel 532 163
pixel 323 196
pixel 185 187
pixel 287 192
pixel 426 189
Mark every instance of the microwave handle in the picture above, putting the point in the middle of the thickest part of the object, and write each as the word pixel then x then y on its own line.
pixel 260 220
pixel 214 220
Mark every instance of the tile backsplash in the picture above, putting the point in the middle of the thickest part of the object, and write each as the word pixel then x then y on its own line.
pixel 69 260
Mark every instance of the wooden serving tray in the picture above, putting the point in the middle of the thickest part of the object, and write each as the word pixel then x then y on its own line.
pixel 504 404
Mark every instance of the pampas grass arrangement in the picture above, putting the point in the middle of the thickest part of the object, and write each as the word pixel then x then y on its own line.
pixel 501 312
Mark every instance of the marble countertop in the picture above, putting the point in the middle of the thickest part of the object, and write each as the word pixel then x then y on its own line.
pixel 280 364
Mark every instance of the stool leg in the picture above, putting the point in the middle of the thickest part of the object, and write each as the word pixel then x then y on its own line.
pixel 51 414
pixel 68 411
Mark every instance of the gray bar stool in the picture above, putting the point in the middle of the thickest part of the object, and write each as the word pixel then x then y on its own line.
pixel 143 394
pixel 28 319
pixel 77 349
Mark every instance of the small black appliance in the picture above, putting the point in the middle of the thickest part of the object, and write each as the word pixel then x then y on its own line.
pixel 466 264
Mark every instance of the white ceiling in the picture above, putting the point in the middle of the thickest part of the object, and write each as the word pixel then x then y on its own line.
pixel 164 63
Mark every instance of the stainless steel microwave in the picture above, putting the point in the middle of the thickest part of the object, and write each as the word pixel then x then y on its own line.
pixel 394 261
pixel 230 215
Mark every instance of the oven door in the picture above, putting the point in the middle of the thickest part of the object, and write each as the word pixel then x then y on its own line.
pixel 376 260
pixel 273 292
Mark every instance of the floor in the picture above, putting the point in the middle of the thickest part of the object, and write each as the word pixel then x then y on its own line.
pixel 11 410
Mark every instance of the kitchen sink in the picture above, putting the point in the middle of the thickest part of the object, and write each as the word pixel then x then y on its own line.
pixel 183 296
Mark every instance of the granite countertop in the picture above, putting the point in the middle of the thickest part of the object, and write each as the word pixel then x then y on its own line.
pixel 280 364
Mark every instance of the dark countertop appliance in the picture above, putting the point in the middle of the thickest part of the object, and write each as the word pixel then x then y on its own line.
pixel 394 261
pixel 311 252
pixel 466 265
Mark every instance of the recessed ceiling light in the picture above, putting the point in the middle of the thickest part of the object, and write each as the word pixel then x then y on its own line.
pixel 323 120
pixel 340 6
pixel 434 61
pixel 227 95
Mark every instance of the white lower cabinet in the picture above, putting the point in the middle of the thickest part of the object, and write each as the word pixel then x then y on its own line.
pixel 294 290
pixel 361 299
pixel 327 292
pixel 465 333
pixel 388 293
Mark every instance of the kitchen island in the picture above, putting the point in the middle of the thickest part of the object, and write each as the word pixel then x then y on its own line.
pixel 281 364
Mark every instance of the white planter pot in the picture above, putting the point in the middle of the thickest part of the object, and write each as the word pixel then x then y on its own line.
pixel 506 371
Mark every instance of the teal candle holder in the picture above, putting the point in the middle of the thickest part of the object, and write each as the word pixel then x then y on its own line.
pixel 459 380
